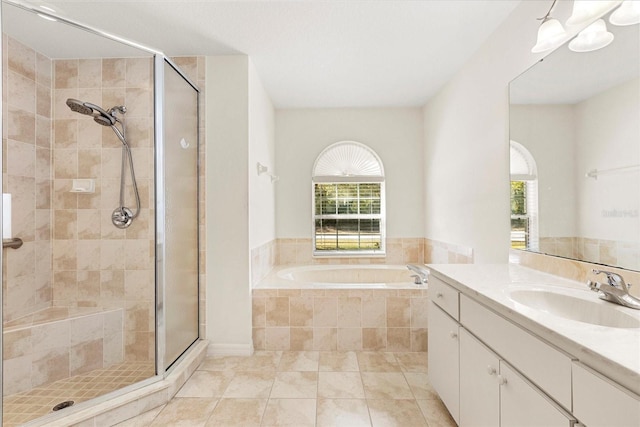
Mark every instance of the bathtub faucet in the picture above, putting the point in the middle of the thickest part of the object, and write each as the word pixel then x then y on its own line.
pixel 421 276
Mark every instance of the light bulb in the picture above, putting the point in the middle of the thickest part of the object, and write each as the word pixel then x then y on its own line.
pixel 594 37
pixel 550 34
pixel 627 14
pixel 585 10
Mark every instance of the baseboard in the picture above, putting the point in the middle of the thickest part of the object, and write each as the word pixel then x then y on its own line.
pixel 230 349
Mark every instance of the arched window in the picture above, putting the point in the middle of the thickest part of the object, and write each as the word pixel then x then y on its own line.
pixel 524 198
pixel 348 201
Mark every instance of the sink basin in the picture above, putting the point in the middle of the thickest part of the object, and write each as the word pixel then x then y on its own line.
pixel 575 308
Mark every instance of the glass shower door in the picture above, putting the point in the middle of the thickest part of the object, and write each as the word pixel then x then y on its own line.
pixel 180 214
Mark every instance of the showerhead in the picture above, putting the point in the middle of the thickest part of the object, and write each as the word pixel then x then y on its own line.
pixel 99 115
pixel 79 107
pixel 104 120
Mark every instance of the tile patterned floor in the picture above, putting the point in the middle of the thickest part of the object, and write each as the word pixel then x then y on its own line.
pixel 306 388
pixel 23 407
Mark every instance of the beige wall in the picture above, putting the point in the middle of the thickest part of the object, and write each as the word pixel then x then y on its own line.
pixel 228 264
pixel 395 134
pixel 607 135
pixel 552 145
pixel 262 200
pixel 467 138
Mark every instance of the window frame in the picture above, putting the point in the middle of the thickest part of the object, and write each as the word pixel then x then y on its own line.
pixel 373 173
pixel 530 180
pixel 368 253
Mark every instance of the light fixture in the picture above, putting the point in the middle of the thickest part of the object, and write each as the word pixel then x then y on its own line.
pixel 550 34
pixel 627 14
pixel 585 10
pixel 594 37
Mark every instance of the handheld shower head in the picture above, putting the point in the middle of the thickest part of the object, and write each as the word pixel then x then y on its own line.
pixel 100 116
pixel 79 107
pixel 104 120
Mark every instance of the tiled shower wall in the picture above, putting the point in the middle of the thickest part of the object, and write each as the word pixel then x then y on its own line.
pixel 26 144
pixel 72 255
pixel 95 263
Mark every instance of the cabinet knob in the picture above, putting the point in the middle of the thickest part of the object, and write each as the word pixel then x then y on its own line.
pixel 491 370
pixel 453 334
pixel 502 380
pixel 439 295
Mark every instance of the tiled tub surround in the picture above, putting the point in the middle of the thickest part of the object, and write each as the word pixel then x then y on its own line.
pixel 58 343
pixel 301 316
pixel 408 250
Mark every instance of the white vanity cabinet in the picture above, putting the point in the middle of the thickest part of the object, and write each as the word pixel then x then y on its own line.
pixel 598 402
pixel 444 354
pixel 479 387
pixel 546 366
pixel 492 393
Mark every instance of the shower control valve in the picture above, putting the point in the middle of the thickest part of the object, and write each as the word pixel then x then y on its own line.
pixel 122 217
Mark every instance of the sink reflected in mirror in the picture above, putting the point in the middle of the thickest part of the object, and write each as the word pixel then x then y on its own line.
pixel 575 308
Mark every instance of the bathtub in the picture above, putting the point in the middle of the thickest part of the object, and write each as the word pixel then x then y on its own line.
pixel 371 307
pixel 368 276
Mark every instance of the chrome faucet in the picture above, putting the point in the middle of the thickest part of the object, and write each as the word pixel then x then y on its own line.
pixel 421 276
pixel 615 290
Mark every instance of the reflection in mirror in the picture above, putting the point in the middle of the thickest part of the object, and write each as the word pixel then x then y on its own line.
pixel 575 154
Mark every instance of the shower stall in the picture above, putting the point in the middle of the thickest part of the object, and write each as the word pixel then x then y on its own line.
pixel 100 180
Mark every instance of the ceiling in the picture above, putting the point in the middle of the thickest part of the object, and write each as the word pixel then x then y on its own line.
pixel 312 54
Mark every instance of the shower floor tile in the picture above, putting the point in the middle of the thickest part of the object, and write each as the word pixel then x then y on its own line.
pixel 23 407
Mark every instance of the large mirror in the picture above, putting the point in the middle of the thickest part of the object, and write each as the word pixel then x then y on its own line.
pixel 575 153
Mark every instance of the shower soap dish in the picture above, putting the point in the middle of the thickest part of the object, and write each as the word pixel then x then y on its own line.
pixel 83 186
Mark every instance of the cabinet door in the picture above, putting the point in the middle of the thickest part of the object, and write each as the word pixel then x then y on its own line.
pixel 522 405
pixel 598 402
pixel 479 389
pixel 444 358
